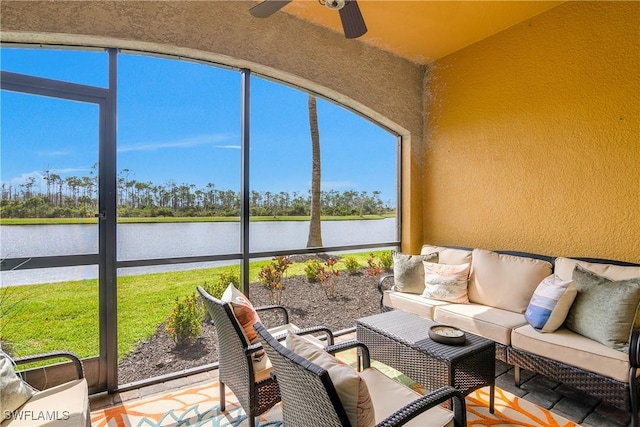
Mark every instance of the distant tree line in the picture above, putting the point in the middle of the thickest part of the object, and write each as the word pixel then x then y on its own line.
pixel 76 197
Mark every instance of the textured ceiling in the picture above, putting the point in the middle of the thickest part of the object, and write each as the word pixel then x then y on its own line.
pixel 423 31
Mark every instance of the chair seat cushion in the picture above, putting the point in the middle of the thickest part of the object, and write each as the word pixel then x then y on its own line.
pixel 65 405
pixel 388 396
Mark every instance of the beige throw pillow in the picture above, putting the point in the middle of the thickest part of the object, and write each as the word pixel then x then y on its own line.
pixel 351 388
pixel 13 391
pixel 446 282
pixel 408 272
pixel 604 310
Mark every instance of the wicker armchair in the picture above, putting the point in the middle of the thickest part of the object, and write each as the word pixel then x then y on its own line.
pixel 309 397
pixel 258 391
pixel 65 404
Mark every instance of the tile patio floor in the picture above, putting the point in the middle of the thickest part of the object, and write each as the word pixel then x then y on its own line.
pixel 544 392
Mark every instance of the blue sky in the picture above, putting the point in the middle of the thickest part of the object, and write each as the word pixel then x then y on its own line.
pixel 179 122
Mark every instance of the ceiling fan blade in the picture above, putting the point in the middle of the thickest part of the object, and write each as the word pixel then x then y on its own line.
pixel 268 8
pixel 352 20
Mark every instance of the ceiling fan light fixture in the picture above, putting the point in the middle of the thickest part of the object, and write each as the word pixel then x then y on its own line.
pixel 333 4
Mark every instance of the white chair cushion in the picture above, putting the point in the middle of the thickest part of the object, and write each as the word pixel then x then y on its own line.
pixel 66 405
pixel 388 396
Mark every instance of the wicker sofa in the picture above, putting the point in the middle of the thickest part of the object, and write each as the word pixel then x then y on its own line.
pixel 500 287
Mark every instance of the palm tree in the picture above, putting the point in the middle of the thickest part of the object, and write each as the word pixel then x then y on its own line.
pixel 315 234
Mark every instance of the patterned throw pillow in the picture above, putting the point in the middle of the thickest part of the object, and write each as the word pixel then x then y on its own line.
pixel 13 391
pixel 446 282
pixel 604 310
pixel 550 303
pixel 351 388
pixel 246 316
pixel 408 272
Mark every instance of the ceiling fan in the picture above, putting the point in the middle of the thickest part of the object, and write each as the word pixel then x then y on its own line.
pixel 350 15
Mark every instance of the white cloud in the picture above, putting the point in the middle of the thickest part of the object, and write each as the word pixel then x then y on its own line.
pixel 180 143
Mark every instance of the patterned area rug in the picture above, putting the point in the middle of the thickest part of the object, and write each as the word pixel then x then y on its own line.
pixel 198 406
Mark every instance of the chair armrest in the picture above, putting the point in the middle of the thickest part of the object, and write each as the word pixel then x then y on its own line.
pixel 252 348
pixel 634 349
pixel 348 345
pixel 315 329
pixel 53 355
pixel 284 311
pixel 418 406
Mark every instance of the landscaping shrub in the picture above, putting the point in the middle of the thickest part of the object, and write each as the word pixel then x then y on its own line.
pixel 184 324
pixel 386 260
pixel 272 276
pixel 352 265
pixel 311 269
pixel 326 275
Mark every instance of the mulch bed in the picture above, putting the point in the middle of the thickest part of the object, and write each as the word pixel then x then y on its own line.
pixel 355 296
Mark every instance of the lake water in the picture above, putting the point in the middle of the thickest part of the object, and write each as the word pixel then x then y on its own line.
pixel 170 240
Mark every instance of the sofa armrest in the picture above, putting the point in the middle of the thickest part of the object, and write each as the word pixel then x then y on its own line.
pixel 381 287
pixel 53 355
pixel 634 349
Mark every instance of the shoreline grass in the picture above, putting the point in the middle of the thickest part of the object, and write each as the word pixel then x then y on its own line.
pixel 153 220
pixel 64 315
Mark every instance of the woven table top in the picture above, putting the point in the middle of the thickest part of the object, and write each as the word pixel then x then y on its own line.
pixel 413 331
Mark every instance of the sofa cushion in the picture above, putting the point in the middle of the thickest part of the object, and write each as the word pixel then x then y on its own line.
pixel 564 269
pixel 448 255
pixel 351 388
pixel 446 282
pixel 411 303
pixel 66 405
pixel 505 281
pixel 492 323
pixel 550 303
pixel 604 310
pixel 13 391
pixel 389 395
pixel 408 272
pixel 573 349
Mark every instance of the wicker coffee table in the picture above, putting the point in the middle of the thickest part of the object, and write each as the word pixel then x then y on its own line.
pixel 401 341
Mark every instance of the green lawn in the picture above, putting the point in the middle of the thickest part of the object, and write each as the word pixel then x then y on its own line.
pixel 47 317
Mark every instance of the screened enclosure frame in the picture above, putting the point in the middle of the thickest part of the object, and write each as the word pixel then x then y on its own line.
pixel 106 258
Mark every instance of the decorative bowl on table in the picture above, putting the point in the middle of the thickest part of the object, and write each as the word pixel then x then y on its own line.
pixel 445 334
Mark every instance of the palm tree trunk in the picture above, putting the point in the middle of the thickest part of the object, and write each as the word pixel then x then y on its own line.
pixel 315 234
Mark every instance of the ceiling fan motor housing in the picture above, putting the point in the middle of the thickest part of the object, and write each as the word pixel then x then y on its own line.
pixel 334 4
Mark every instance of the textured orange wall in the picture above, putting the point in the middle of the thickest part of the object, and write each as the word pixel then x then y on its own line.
pixel 532 137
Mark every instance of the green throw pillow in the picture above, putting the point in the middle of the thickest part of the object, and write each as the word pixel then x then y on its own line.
pixel 408 271
pixel 604 310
